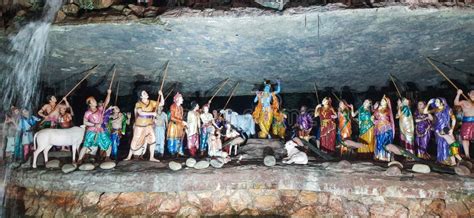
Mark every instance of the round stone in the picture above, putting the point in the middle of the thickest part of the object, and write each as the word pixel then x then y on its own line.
pixel 393 171
pixel 395 163
pixel 421 168
pixel 107 165
pixel 269 161
pixel 201 165
pixel 87 167
pixel 217 163
pixel 344 164
pixel 462 170
pixel 53 164
pixel 190 162
pixel 67 168
pixel 175 166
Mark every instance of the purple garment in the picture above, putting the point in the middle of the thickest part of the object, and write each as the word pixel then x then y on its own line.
pixel 442 120
pixel 423 133
pixel 304 121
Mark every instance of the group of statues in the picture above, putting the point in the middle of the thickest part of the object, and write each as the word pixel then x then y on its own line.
pixel 200 133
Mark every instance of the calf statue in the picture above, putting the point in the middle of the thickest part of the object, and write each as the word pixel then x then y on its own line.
pixel 295 156
pixel 46 138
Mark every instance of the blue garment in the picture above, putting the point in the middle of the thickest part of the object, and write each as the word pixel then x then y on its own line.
pixel 160 139
pixel 115 137
pixel 382 140
pixel 205 131
pixel 175 146
pixel 467 119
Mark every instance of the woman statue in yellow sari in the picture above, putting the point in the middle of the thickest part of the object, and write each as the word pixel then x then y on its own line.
pixel 366 127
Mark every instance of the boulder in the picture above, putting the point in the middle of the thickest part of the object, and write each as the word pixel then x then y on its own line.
pixel 67 168
pixel 421 168
pixel 96 4
pixel 21 13
pixel 393 170
pixel 201 165
pixel 107 165
pixel 269 161
pixel 70 9
pixel 118 7
pixel 217 163
pixel 344 164
pixel 191 162
pixel 87 167
pixel 175 166
pixel 60 17
pixel 126 11
pixel 150 14
pixel 137 9
pixel 462 170
pixel 395 163
pixel 53 164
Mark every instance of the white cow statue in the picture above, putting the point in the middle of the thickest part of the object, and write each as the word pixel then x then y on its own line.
pixel 295 156
pixel 244 122
pixel 47 138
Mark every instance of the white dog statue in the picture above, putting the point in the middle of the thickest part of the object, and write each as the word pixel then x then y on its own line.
pixel 46 138
pixel 295 156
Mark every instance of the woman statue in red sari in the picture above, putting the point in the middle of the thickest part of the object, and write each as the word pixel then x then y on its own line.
pixel 326 113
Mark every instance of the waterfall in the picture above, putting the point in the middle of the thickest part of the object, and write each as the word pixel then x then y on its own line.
pixel 29 45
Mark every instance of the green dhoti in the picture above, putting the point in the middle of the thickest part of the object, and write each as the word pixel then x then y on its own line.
pixel 97 139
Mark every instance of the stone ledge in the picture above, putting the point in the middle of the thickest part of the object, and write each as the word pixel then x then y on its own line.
pixel 363 179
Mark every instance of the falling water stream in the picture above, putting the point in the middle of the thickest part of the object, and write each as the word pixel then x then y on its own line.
pixel 20 85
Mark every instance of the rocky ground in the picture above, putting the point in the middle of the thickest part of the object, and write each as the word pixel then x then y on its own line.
pixel 244 186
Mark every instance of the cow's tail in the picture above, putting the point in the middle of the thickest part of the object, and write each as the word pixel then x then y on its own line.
pixel 34 141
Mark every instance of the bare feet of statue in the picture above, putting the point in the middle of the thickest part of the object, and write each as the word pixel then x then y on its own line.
pixel 107 159
pixel 154 160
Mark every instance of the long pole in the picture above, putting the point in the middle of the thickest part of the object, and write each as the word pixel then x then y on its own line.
pixel 117 92
pixel 446 77
pixel 91 71
pixel 231 94
pixel 316 91
pixel 396 87
pixel 219 89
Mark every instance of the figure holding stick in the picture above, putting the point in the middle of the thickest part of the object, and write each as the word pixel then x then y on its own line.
pixel 467 127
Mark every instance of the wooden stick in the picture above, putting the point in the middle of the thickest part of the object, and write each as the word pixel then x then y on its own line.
pixel 337 98
pixel 91 71
pixel 112 81
pixel 169 93
pixel 219 89
pixel 316 91
pixel 164 75
pixel 231 94
pixel 446 77
pixel 396 87
pixel 117 92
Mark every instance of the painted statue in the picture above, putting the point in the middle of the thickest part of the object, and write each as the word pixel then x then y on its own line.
pixel 406 124
pixel 243 122
pixel 279 123
pixel 454 145
pixel 366 127
pixel 26 123
pixel 467 127
pixel 327 115
pixel 96 135
pixel 161 121
pixel 193 129
pixel 304 123
pixel 49 113
pixel 384 129
pixel 422 130
pixel 215 143
pixel 11 131
pixel 295 156
pixel 207 128
pixel 344 129
pixel 444 117
pixel 65 115
pixel 175 131
pixel 263 114
pixel 143 129
pixel 117 126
